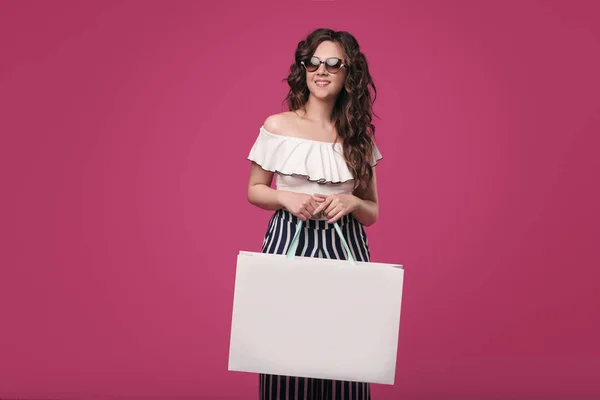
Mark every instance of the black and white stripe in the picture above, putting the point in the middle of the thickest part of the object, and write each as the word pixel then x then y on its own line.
pixel 317 239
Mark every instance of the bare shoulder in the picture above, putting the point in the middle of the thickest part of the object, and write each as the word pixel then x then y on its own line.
pixel 280 123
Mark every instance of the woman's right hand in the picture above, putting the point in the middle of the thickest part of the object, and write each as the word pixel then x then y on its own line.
pixel 302 205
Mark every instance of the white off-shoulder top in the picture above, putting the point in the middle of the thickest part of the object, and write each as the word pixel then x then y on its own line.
pixel 304 165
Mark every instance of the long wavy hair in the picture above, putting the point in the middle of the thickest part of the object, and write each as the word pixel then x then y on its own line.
pixel 353 112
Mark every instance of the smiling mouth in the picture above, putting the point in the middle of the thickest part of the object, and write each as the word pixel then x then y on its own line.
pixel 322 83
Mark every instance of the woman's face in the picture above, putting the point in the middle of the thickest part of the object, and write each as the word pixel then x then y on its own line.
pixel 324 83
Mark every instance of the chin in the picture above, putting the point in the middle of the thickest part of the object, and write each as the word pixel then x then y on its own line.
pixel 324 94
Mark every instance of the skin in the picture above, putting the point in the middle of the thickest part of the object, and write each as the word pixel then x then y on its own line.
pixel 315 117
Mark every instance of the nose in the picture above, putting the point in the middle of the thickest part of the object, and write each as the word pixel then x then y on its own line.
pixel 322 69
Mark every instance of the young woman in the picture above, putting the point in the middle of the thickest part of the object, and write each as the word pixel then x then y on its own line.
pixel 322 153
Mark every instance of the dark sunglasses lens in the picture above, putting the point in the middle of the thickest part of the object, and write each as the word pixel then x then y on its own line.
pixel 333 64
pixel 312 64
pixel 310 67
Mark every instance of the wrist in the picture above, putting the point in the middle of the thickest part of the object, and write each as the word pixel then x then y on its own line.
pixel 279 198
pixel 358 202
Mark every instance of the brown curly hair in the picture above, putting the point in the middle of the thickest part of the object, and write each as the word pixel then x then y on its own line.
pixel 353 111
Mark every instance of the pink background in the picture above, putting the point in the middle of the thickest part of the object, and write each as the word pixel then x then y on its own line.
pixel 125 128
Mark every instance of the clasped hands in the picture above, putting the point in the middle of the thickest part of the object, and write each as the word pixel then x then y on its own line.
pixel 333 207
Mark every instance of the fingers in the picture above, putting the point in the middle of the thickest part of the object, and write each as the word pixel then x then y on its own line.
pixel 331 206
pixel 304 214
pixel 313 205
pixel 324 204
pixel 317 200
pixel 336 217
pixel 308 208
pixel 300 216
pixel 336 213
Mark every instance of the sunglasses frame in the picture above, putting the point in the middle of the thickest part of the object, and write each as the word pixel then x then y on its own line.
pixel 327 66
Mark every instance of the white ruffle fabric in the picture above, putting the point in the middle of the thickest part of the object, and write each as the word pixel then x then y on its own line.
pixel 319 162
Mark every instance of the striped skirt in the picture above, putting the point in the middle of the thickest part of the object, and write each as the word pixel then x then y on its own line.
pixel 318 239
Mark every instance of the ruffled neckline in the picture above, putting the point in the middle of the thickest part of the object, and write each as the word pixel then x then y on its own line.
pixel 321 162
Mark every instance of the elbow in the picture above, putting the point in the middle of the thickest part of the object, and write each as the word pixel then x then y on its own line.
pixel 372 214
pixel 372 218
pixel 370 221
pixel 249 195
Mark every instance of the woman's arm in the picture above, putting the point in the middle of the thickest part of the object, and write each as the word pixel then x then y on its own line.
pixel 260 192
pixel 367 210
pixel 262 195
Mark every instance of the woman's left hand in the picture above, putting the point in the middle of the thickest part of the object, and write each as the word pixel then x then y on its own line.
pixel 336 206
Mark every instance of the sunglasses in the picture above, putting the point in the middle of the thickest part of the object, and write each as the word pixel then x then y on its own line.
pixel 332 64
